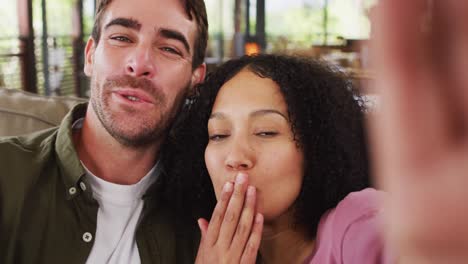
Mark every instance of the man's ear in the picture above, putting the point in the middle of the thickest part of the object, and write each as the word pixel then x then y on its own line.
pixel 198 75
pixel 89 56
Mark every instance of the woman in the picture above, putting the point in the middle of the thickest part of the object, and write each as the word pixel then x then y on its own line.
pixel 292 129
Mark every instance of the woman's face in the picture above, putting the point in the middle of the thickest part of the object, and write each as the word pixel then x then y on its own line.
pixel 249 132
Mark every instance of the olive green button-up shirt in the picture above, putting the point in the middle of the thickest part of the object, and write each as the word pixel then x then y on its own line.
pixel 48 214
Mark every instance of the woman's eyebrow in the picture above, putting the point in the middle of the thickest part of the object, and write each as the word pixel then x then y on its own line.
pixel 263 112
pixel 217 115
pixel 256 113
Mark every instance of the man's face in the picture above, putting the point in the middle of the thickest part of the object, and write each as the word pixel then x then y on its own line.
pixel 141 68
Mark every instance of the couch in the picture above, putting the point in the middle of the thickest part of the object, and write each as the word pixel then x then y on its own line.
pixel 22 112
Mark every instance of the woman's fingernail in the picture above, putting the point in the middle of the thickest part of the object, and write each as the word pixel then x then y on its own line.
pixel 259 218
pixel 241 178
pixel 227 187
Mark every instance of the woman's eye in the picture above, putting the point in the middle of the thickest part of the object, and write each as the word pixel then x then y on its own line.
pixel 218 137
pixel 267 133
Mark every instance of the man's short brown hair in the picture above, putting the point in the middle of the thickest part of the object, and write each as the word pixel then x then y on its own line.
pixel 194 8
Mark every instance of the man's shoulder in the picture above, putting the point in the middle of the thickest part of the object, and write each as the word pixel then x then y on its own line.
pixel 22 162
pixel 23 154
pixel 28 142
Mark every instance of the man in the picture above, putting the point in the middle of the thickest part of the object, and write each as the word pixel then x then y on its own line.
pixel 92 190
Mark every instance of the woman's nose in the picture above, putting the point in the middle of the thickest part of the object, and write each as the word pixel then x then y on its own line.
pixel 240 157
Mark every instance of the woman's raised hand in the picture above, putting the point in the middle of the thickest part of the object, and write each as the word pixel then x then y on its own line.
pixel 234 232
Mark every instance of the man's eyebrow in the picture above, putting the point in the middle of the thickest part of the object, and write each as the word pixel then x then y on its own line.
pixel 268 111
pixel 173 34
pixel 124 22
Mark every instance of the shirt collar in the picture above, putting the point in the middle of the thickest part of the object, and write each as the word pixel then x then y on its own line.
pixel 135 191
pixel 70 164
pixel 67 157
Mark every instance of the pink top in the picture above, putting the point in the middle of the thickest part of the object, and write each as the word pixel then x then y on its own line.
pixel 349 233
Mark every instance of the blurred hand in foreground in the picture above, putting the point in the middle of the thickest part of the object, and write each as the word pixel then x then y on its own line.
pixel 419 135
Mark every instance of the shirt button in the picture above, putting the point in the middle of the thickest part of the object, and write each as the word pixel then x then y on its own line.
pixel 72 190
pixel 87 237
pixel 83 186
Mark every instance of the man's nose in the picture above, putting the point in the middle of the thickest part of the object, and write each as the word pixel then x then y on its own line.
pixel 141 62
pixel 240 157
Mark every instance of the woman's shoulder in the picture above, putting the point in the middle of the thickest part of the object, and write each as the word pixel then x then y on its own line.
pixel 354 208
pixel 360 204
pixel 351 230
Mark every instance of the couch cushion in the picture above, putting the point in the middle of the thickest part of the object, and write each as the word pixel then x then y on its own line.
pixel 22 112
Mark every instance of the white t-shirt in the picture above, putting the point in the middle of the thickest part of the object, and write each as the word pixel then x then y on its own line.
pixel 118 215
pixel 119 212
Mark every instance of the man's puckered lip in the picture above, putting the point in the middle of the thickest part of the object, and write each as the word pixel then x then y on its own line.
pixel 138 93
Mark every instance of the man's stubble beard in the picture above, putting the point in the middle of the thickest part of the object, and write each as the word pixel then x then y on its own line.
pixel 151 131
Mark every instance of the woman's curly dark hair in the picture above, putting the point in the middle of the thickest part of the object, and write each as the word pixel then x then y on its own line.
pixel 327 119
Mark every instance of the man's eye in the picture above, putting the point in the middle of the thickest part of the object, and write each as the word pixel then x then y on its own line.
pixel 218 137
pixel 170 50
pixel 121 39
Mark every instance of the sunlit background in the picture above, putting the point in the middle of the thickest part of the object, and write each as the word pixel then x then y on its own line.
pixel 42 51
